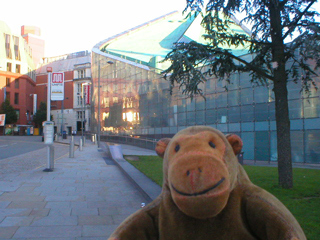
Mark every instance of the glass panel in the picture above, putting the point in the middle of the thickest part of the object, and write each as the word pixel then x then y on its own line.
pixel 221 100
pixel 273 146
pixel 246 96
pixel 295 109
pixel 210 101
pixel 200 103
pixel 312 146
pixel 233 98
pixel 297 146
pixel 191 106
pixel 245 80
pixel 261 112
pixel 272 111
pixel 234 114
pixel 294 90
pixel 248 145
pixel 311 107
pixel 261 94
pixel 222 115
pixel 211 116
pixel 263 148
pixel 200 117
pixel 234 81
pixel 182 119
pixel 191 118
pixel 247 113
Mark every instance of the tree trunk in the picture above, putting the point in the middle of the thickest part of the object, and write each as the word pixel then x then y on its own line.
pixel 281 100
pixel 283 133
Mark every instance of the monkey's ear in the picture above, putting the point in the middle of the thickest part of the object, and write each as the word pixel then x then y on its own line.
pixel 162 146
pixel 235 142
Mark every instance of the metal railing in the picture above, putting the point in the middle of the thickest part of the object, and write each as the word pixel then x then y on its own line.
pixel 139 142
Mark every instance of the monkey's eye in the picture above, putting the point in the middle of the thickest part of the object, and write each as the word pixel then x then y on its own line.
pixel 177 148
pixel 211 144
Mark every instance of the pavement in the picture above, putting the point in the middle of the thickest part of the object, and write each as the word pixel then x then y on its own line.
pixel 85 197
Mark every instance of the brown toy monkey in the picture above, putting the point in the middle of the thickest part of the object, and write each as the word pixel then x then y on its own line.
pixel 207 194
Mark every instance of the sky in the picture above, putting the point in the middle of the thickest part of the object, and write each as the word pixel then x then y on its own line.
pixel 69 26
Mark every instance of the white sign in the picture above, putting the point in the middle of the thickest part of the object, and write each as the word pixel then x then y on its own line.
pixel 57 86
pixel 48 132
pixel 2 119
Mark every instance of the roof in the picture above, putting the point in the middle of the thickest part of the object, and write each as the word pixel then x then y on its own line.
pixel 149 43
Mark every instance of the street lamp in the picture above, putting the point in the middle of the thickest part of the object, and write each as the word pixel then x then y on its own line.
pixel 99 123
pixel 83 109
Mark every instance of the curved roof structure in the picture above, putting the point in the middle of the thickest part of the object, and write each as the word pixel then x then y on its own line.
pixel 150 42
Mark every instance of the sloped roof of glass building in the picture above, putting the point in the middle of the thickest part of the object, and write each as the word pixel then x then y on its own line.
pixel 149 43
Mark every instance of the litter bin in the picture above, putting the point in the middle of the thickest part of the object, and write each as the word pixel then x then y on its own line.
pixel 64 134
pixel 240 157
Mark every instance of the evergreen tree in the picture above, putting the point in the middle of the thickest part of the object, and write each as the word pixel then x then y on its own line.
pixel 41 115
pixel 274 60
pixel 11 115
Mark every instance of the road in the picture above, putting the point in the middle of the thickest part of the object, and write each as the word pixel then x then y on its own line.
pixel 22 153
pixel 11 146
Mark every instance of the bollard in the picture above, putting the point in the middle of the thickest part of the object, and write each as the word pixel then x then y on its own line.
pixel 93 138
pixel 71 148
pixel 80 145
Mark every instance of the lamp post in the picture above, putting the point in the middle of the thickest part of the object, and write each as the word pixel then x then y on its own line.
pixel 99 123
pixel 83 120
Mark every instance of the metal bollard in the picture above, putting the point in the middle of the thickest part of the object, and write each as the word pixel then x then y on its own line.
pixel 93 138
pixel 71 148
pixel 80 145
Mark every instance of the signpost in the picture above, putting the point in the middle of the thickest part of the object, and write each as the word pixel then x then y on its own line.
pixel 49 128
pixel 57 86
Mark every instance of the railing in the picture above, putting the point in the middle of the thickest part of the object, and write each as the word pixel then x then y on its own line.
pixel 139 142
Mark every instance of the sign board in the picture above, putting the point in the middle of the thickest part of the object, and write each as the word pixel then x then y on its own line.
pixel 2 119
pixel 48 132
pixel 87 91
pixel 57 87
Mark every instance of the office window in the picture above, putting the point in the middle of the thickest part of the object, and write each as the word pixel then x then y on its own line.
pixel 16 48
pixel 81 73
pixel 8 82
pixel 17 68
pixel 16 83
pixel 9 67
pixel 18 114
pixel 8 96
pixel 7 46
pixel 16 98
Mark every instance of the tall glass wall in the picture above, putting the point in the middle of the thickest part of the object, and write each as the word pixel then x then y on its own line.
pixel 135 101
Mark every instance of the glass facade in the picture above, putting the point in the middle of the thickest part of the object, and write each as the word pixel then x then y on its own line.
pixel 135 101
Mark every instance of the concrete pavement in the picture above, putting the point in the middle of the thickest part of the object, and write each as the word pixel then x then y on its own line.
pixel 85 197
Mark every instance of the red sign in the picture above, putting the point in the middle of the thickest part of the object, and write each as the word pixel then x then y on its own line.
pixel 87 94
pixel 57 77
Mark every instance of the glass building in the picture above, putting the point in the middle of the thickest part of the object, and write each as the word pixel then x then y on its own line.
pixel 134 99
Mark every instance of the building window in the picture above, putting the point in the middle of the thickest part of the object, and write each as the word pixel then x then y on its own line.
pixel 8 82
pixel 9 67
pixel 17 68
pixel 18 114
pixel 16 48
pixel 80 114
pixel 16 83
pixel 81 73
pixel 16 98
pixel 7 45
pixel 8 96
